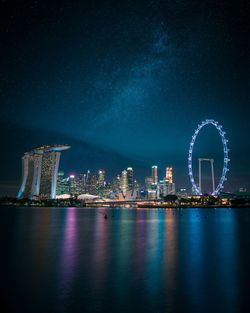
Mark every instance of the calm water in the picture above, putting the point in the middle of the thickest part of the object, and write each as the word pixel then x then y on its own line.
pixel 74 260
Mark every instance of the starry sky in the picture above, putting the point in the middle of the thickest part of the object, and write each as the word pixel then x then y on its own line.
pixel 125 83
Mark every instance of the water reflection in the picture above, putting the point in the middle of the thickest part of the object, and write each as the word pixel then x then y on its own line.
pixel 69 250
pixel 226 255
pixel 134 261
pixel 100 255
pixel 170 258
pixel 193 266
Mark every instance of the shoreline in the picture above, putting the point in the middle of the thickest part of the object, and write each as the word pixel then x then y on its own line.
pixel 117 206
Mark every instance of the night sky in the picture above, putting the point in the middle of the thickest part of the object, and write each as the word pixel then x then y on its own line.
pixel 125 83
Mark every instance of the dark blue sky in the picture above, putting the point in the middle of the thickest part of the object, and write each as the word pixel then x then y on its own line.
pixel 124 82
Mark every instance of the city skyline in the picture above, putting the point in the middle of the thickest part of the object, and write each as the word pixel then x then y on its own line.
pixel 124 164
pixel 124 86
pixel 34 157
pixel 98 184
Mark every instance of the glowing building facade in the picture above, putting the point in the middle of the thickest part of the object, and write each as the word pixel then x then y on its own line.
pixel 62 187
pixel 124 182
pixel 169 174
pixel 92 184
pixel 155 174
pixel 130 176
pixel 170 185
pixel 101 178
pixel 148 183
pixel 117 184
pixel 40 169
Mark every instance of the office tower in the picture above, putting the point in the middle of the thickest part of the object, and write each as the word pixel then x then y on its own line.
pixel 170 185
pixel 92 187
pixel 116 184
pixel 40 168
pixel 74 185
pixel 124 182
pixel 101 178
pixel 155 174
pixel 130 176
pixel 60 177
pixel 162 188
pixel 148 183
pixel 87 182
pixel 101 183
pixel 62 184
pixel 82 182
pixel 169 174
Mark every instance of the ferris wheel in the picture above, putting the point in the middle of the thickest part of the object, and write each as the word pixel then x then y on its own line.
pixel 197 189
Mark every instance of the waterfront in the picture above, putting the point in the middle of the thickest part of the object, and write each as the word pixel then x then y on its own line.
pixel 135 260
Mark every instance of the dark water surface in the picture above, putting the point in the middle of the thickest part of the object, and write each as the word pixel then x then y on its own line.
pixel 75 260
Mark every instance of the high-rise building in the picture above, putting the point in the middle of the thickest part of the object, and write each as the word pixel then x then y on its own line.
pixel 162 188
pixel 124 182
pixel 82 182
pixel 101 178
pixel 74 185
pixel 169 174
pixel 40 169
pixel 62 187
pixel 148 183
pixel 170 185
pixel 130 176
pixel 92 187
pixel 116 184
pixel 101 183
pixel 155 174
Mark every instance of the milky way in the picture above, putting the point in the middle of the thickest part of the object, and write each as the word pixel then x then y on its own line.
pixel 133 77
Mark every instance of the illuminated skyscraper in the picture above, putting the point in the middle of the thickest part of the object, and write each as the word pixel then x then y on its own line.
pixel 82 182
pixel 92 187
pixel 130 176
pixel 117 184
pixel 155 174
pixel 101 178
pixel 170 185
pixel 101 183
pixel 74 184
pixel 169 174
pixel 62 184
pixel 148 183
pixel 124 182
pixel 40 168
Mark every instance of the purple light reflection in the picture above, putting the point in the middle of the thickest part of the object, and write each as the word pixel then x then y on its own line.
pixel 69 255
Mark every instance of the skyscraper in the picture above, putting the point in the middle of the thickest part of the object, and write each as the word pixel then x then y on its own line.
pixel 155 174
pixel 101 178
pixel 62 184
pixel 92 183
pixel 170 185
pixel 117 184
pixel 148 183
pixel 130 176
pixel 40 168
pixel 74 185
pixel 124 182
pixel 169 174
pixel 83 182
